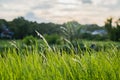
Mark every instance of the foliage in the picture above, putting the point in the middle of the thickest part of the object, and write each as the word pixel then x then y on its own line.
pixel 86 36
pixel 113 31
pixel 71 30
pixel 22 28
pixel 53 39
pixel 103 65
pixel 29 40
pixel 92 27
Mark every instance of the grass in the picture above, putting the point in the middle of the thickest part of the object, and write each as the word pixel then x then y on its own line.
pixel 50 65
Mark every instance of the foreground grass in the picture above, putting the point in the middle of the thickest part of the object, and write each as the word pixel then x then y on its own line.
pixel 52 66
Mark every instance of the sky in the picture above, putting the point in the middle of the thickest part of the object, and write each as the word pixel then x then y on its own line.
pixel 60 11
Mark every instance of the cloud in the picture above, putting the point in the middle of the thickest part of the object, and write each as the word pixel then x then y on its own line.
pixel 10 15
pixel 112 5
pixel 67 1
pixel 84 11
pixel 1 5
pixel 44 6
pixel 104 2
pixel 86 1
pixel 32 17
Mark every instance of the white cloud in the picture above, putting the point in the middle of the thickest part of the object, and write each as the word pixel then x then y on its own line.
pixel 85 11
pixel 104 2
pixel 32 17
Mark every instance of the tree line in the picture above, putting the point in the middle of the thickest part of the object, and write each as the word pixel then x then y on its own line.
pixel 70 30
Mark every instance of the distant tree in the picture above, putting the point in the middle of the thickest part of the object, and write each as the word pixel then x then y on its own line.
pixel 113 31
pixel 71 30
pixel 20 26
pixel 2 22
pixel 92 27
pixel 118 29
pixel 23 28
pixel 87 36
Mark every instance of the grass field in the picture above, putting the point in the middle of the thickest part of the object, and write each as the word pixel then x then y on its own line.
pixel 35 64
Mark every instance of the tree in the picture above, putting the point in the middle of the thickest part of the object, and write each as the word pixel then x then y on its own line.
pixel 118 29
pixel 20 26
pixel 71 30
pixel 113 31
pixel 2 22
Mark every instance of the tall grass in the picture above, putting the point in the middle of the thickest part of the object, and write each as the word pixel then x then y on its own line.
pixel 97 66
pixel 31 63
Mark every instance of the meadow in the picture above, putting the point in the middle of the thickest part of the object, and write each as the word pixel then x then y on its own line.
pixel 52 63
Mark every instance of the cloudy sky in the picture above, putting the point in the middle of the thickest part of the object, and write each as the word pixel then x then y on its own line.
pixel 59 11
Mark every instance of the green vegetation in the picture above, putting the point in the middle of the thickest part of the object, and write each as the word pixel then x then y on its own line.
pixel 19 28
pixel 45 64
pixel 53 39
pixel 62 53
pixel 113 31
pixel 29 40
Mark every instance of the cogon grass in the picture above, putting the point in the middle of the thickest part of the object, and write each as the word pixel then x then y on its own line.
pixel 99 65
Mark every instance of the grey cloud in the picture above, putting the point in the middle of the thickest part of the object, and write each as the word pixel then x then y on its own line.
pixel 8 1
pixel 67 3
pixel 4 1
pixel 69 9
pixel 85 1
pixel 32 17
pixel 43 6
pixel 118 5
pixel 72 9
pixel 1 5
pixel 57 10
pixel 115 7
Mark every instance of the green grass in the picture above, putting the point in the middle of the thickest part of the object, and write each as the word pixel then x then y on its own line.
pixel 39 65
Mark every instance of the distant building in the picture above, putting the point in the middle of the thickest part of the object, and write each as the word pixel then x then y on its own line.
pixel 6 33
pixel 99 32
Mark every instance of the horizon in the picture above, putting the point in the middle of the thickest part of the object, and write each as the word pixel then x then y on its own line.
pixel 53 22
pixel 61 11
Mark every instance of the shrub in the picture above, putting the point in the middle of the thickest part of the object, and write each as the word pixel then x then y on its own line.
pixel 53 39
pixel 29 40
